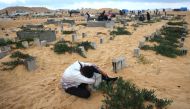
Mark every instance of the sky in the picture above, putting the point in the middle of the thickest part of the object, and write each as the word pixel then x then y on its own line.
pixel 96 4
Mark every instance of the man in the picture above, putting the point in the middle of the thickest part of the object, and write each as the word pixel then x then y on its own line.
pixel 78 75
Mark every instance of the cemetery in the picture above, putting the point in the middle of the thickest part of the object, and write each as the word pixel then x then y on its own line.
pixel 151 62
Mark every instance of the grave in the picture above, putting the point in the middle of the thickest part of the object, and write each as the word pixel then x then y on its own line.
pixel 183 51
pixel 118 64
pixel 74 37
pixel 136 52
pixel 43 43
pixel 5 48
pixel 30 64
pixel 98 78
pixel 107 24
pixel 93 44
pixel 25 44
pixel 47 35
pixel 101 40
pixel 37 41
pixel 141 44
pixel 83 52
pixel 84 35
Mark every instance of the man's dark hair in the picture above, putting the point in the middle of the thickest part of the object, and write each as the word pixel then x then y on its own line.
pixel 88 71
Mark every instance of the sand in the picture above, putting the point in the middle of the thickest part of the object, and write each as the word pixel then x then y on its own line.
pixel 170 78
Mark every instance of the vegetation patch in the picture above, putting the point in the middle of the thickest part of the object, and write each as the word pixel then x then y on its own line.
pixel 125 95
pixel 62 47
pixel 68 32
pixel 179 23
pixel 18 59
pixel 120 31
pixel 167 42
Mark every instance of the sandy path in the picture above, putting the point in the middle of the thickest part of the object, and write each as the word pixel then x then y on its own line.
pixel 41 88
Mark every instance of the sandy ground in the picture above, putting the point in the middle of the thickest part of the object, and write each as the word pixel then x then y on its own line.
pixel 170 78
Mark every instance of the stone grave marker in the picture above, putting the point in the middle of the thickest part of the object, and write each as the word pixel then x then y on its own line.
pixel 30 64
pixel 83 51
pixel 141 44
pixel 183 51
pixel 118 64
pixel 93 44
pixel 136 52
pixel 101 40
pixel 98 78
pixel 37 41
pixel 25 44
pixel 43 43
pixel 74 37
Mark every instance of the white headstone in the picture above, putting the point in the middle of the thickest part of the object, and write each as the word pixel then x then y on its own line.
pixel 43 43
pixel 30 64
pixel 101 40
pixel 118 64
pixel 74 37
pixel 93 44
pixel 136 52
pixel 25 44
pixel 83 51
pixel 141 44
pixel 37 41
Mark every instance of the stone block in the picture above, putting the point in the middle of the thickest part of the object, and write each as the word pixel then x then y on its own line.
pixel 83 52
pixel 183 51
pixel 118 64
pixel 107 24
pixel 44 43
pixel 101 40
pixel 98 78
pixel 37 41
pixel 141 44
pixel 136 52
pixel 25 44
pixel 74 37
pixel 93 44
pixel 30 64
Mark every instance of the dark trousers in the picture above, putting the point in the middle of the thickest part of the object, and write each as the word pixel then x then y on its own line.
pixel 81 90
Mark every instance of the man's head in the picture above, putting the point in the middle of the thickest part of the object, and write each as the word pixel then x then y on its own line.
pixel 87 71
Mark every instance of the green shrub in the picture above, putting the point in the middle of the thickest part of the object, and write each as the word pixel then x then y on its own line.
pixel 68 32
pixel 87 45
pixel 61 48
pixel 125 95
pixel 181 23
pixel 20 55
pixel 19 59
pixel 6 42
pixel 120 31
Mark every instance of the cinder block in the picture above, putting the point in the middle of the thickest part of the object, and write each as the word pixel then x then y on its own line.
pixel 141 44
pixel 25 44
pixel 74 37
pixel 93 44
pixel 37 41
pixel 43 43
pixel 118 64
pixel 136 52
pixel 183 51
pixel 83 51
pixel 30 64
pixel 101 40
pixel 98 78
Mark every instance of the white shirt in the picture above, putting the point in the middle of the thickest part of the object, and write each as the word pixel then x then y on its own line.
pixel 72 76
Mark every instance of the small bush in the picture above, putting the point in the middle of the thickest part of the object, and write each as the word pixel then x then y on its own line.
pixel 125 95
pixel 68 32
pixel 87 45
pixel 61 48
pixel 120 31
pixel 19 59
pixel 181 23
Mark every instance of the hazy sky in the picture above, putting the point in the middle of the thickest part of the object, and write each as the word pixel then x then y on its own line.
pixel 74 4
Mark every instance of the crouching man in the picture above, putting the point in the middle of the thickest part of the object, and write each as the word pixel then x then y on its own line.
pixel 78 75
